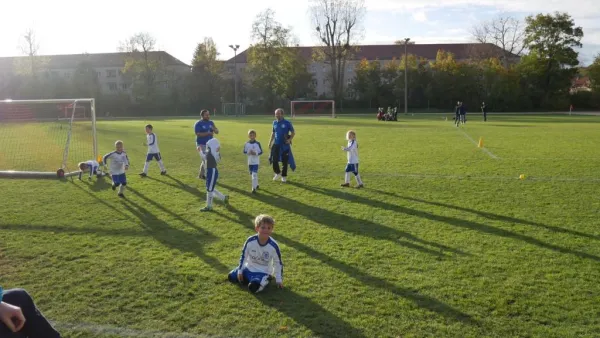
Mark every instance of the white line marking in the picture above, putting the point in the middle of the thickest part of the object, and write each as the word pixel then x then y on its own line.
pixel 121 331
pixel 476 144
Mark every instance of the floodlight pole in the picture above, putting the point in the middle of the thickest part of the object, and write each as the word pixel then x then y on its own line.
pixel 406 40
pixel 235 48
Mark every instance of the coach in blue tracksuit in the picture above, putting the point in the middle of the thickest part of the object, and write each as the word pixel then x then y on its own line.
pixel 281 150
pixel 20 318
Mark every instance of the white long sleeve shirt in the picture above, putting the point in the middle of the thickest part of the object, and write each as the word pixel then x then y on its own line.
pixel 118 161
pixel 262 258
pixel 256 147
pixel 352 151
pixel 152 143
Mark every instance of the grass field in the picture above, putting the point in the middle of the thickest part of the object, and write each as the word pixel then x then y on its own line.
pixel 444 241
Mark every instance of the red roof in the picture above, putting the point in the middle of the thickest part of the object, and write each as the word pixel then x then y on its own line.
pixel 461 51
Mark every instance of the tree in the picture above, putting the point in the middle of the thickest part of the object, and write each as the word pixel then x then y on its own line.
pixel 552 59
pixel 338 28
pixel 85 81
pixel 277 69
pixel 505 32
pixel 367 82
pixel 594 73
pixel 206 80
pixel 143 67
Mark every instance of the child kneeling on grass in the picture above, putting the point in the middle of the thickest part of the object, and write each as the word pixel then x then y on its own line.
pixel 261 258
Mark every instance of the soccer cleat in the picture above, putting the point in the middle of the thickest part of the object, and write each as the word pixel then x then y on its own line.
pixel 206 208
pixel 359 186
pixel 143 175
pixel 226 199
pixel 163 173
pixel 345 184
pixel 276 177
pixel 114 187
pixel 254 287
pixel 201 176
pixel 257 187
pixel 254 191
pixel 284 179
pixel 121 195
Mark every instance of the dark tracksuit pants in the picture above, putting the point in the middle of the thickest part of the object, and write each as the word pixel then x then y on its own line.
pixel 36 325
pixel 276 150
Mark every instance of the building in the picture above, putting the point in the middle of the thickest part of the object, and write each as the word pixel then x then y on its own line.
pixel 385 54
pixel 108 67
pixel 580 84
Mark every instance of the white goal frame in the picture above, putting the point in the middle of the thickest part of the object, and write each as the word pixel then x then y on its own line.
pixel 238 108
pixel 61 172
pixel 293 112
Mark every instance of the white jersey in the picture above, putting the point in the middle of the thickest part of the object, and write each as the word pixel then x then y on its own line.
pixel 92 165
pixel 256 147
pixel 352 151
pixel 214 148
pixel 265 259
pixel 118 161
pixel 152 144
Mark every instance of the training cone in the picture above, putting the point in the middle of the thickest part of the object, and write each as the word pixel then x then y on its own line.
pixel 99 158
pixel 522 176
pixel 480 145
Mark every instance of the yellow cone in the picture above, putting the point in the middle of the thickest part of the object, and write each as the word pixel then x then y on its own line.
pixel 522 176
pixel 480 145
pixel 99 159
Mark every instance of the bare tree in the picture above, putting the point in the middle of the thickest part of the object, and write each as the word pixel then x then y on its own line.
pixel 503 31
pixel 30 47
pixel 338 28
pixel 141 64
pixel 402 42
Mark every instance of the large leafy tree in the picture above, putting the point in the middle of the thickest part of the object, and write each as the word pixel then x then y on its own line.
pixel 206 83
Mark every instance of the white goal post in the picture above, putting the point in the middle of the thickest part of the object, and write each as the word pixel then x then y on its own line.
pixel 312 107
pixel 37 136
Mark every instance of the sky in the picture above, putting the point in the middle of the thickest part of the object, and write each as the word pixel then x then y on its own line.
pixel 73 27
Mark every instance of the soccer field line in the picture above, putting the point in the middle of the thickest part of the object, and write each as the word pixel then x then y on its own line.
pixel 121 331
pixel 476 144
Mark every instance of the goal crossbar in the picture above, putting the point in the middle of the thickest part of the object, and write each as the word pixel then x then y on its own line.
pixel 313 102
pixel 61 172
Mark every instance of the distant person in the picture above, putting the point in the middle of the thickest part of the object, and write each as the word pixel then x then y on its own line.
pixel 253 150
pixel 204 130
pixel 153 152
pixel 281 146
pixel 261 258
pixel 484 111
pixel 212 156
pixel 20 318
pixel 92 166
pixel 463 113
pixel 457 113
pixel 119 164
pixel 352 155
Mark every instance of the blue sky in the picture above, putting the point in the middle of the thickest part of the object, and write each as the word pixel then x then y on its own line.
pixel 70 27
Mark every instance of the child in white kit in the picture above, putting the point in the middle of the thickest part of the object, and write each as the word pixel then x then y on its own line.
pixel 253 149
pixel 352 154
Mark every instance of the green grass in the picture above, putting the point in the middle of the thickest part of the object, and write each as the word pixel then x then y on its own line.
pixel 444 241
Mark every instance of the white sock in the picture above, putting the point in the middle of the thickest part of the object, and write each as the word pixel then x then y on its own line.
pixel 209 199
pixel 218 194
pixel 146 165
pixel 254 180
pixel 358 180
pixel 121 189
pixel 347 178
pixel 161 165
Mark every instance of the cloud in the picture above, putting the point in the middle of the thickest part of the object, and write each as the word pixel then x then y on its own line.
pixel 419 16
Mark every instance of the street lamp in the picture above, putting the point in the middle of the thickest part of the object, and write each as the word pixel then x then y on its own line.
pixel 235 48
pixel 406 40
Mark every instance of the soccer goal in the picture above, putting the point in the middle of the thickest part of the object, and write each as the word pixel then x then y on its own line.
pixel 313 108
pixel 234 109
pixel 46 138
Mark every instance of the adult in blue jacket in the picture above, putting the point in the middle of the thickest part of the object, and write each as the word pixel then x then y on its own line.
pixel 20 318
pixel 281 151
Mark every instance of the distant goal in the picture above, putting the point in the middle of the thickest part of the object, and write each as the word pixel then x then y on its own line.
pixel 46 138
pixel 313 108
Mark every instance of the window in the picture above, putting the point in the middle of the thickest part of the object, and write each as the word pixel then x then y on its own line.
pixel 111 73
pixel 67 75
pixel 315 83
pixel 124 86
pixel 120 72
pixel 112 86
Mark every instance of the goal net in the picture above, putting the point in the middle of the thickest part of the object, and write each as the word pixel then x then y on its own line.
pixel 46 138
pixel 234 109
pixel 313 108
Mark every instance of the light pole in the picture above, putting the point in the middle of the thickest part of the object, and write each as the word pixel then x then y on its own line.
pixel 406 40
pixel 235 48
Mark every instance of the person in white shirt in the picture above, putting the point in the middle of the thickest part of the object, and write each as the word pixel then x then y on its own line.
pixel 253 149
pixel 261 258
pixel 153 152
pixel 352 165
pixel 119 163
pixel 92 166
pixel 211 155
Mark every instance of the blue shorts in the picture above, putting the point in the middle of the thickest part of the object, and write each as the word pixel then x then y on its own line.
pixel 253 168
pixel 352 168
pixel 156 156
pixel 212 175
pixel 249 277
pixel 119 179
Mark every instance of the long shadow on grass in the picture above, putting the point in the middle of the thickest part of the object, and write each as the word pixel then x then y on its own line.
pixel 174 238
pixel 492 216
pixel 445 219
pixel 422 301
pixel 101 201
pixel 178 185
pixel 114 232
pixel 349 224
